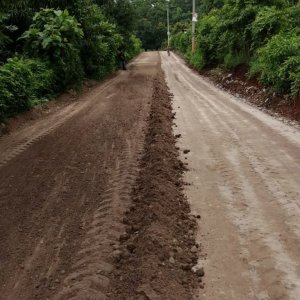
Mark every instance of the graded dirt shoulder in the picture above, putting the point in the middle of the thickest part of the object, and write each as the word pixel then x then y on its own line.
pixel 65 182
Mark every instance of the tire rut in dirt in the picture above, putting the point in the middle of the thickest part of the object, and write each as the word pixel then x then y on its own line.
pixel 158 249
pixel 90 274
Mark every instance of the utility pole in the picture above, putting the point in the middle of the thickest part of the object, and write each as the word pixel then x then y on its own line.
pixel 194 21
pixel 168 20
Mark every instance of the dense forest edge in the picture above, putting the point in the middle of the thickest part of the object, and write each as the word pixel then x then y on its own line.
pixel 259 37
pixel 47 47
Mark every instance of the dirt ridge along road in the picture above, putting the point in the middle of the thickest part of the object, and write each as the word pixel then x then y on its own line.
pixel 62 198
pixel 244 170
pixel 158 249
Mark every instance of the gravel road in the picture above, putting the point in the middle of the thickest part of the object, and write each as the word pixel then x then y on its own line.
pixel 245 176
pixel 100 177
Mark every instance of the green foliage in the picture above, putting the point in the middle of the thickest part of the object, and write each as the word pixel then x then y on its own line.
pixel 101 40
pixel 271 20
pixel 207 5
pixel 233 60
pixel 5 40
pixel 182 41
pixel 262 35
pixel 119 12
pixel 56 36
pixel 133 48
pixel 151 20
pixel 277 63
pixel 23 83
pixel 196 60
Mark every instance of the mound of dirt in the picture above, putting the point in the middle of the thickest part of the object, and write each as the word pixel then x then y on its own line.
pixel 158 249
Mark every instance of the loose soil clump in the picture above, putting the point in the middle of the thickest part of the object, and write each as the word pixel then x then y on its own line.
pixel 158 249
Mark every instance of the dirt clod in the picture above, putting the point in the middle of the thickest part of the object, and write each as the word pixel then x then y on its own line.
pixel 194 249
pixel 200 272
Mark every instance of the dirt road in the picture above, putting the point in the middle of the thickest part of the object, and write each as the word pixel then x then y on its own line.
pixel 65 182
pixel 245 175
pixel 91 197
pixel 92 203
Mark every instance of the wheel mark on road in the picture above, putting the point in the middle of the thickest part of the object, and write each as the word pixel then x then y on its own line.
pixel 18 149
pixel 86 277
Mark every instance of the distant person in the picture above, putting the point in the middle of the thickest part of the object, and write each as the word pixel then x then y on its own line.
pixel 122 59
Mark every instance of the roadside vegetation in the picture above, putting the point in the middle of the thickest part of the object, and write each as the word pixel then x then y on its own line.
pixel 47 47
pixel 261 37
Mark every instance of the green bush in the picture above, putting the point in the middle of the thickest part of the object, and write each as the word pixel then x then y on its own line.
pixel 101 40
pixel 56 36
pixel 208 34
pixel 196 60
pixel 290 72
pixel 233 60
pixel 277 63
pixel 262 35
pixel 182 41
pixel 271 20
pixel 5 40
pixel 133 48
pixel 23 83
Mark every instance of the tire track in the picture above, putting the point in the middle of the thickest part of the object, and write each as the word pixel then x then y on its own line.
pixel 93 263
pixel 54 123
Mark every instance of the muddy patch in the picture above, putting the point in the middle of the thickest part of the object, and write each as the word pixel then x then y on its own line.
pixel 158 249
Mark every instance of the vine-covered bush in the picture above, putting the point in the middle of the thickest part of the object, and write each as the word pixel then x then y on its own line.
pixel 56 36
pixel 23 83
pixel 278 63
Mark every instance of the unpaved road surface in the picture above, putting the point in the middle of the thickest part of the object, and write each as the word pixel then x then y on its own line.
pixel 65 181
pixel 245 175
pixel 91 197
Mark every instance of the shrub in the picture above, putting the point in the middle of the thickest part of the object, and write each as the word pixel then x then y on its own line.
pixel 196 60
pixel 133 48
pixel 5 40
pixel 23 83
pixel 56 36
pixel 181 41
pixel 232 60
pixel 101 40
pixel 208 34
pixel 289 72
pixel 277 63
pixel 270 21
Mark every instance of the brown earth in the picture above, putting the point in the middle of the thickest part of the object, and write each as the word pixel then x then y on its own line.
pixel 158 249
pixel 66 181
